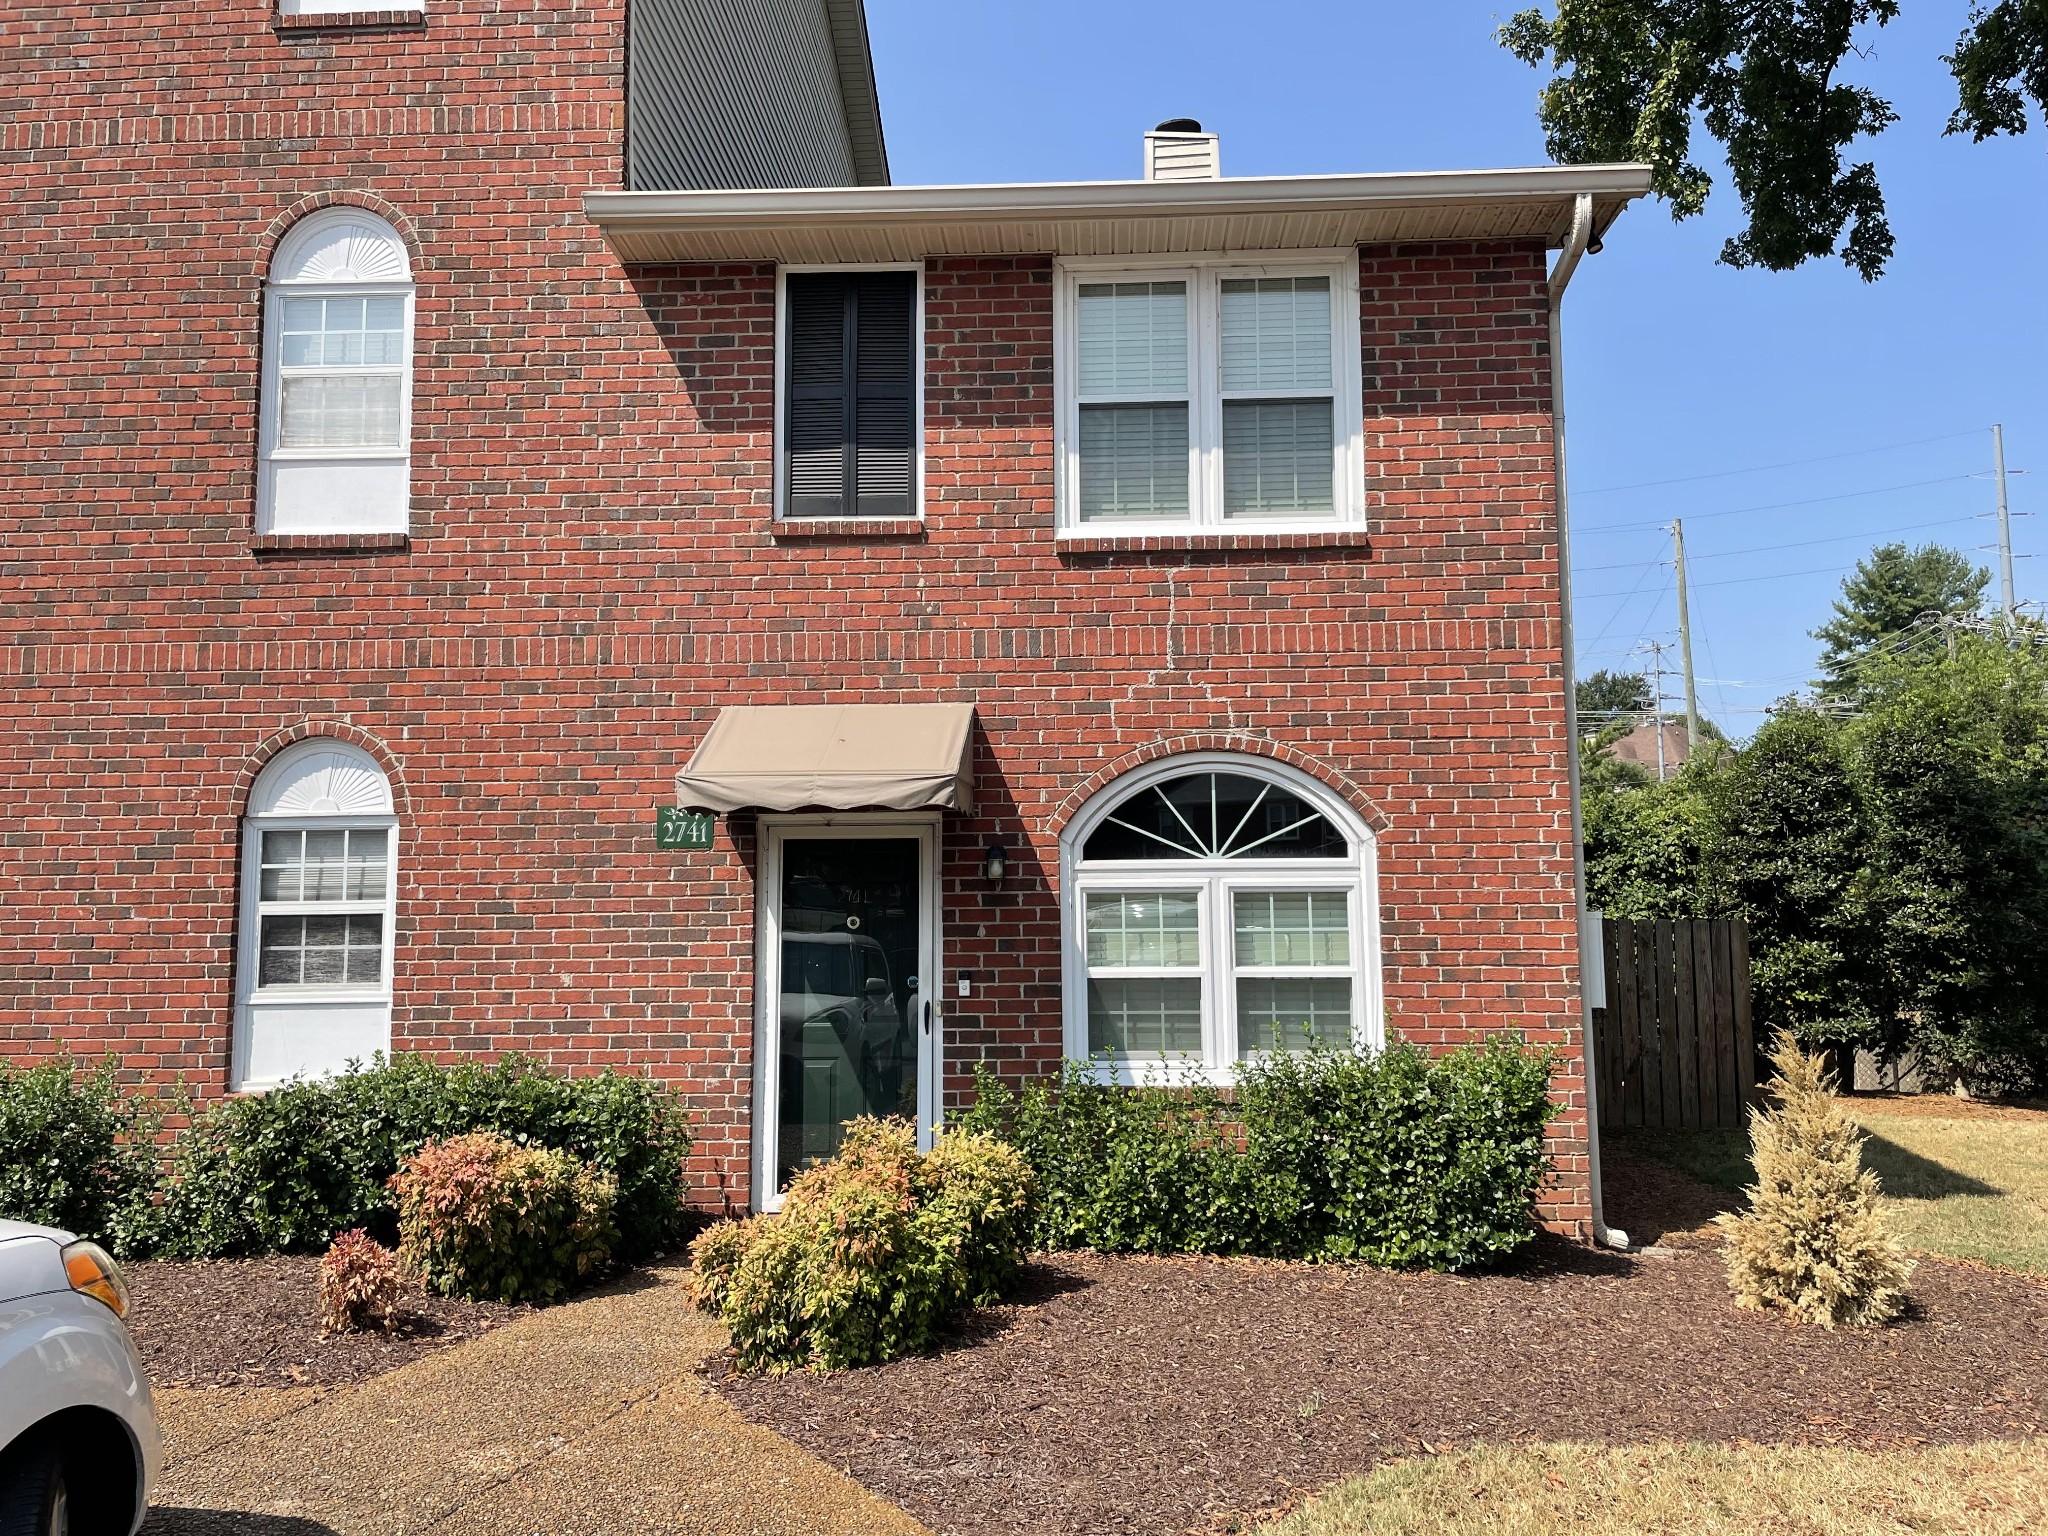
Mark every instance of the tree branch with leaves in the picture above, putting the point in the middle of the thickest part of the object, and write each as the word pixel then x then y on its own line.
pixel 1632 79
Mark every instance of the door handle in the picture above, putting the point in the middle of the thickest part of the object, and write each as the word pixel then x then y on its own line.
pixel 927 1015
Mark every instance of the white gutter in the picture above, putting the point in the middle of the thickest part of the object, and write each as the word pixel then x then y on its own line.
pixel 1560 277
pixel 769 207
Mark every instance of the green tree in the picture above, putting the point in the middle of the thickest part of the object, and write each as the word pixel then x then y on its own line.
pixel 1791 851
pixel 1606 693
pixel 1890 591
pixel 1950 763
pixel 1631 78
pixel 1648 845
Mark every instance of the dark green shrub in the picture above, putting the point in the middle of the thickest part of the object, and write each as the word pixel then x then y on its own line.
pixel 483 1217
pixel 1394 1157
pixel 286 1170
pixel 1397 1157
pixel 871 1252
pixel 1122 1170
pixel 74 1154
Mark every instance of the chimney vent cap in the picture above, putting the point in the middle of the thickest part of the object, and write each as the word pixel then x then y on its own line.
pixel 1178 150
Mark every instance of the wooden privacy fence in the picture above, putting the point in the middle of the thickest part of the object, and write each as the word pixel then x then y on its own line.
pixel 1674 1045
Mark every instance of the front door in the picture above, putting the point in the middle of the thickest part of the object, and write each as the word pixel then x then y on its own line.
pixel 849 979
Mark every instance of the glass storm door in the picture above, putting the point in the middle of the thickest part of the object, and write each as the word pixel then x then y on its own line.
pixel 849 951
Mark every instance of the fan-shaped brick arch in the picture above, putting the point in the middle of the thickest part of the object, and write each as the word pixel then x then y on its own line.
pixel 1338 783
pixel 267 752
pixel 282 226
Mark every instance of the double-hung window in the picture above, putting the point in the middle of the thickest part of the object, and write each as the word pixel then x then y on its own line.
pixel 1215 395
pixel 337 379
pixel 1217 910
pixel 319 908
pixel 849 430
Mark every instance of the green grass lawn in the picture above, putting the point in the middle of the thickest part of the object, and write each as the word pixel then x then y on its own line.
pixel 1968 1185
pixel 1997 1489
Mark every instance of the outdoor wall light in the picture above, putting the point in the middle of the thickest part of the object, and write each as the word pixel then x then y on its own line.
pixel 995 864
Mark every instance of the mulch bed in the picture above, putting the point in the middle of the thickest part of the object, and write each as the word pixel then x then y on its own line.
pixel 1651 1200
pixel 256 1322
pixel 1163 1396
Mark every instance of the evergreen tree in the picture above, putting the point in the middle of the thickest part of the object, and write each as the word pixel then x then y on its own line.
pixel 1814 1241
pixel 1890 591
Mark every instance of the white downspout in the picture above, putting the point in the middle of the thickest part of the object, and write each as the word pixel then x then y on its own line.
pixel 1560 276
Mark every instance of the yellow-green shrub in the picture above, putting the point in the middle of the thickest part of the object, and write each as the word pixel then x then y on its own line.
pixel 871 1252
pixel 1814 1241
pixel 483 1217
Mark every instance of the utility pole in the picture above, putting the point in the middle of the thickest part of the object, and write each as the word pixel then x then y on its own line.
pixel 1692 701
pixel 1656 652
pixel 2004 526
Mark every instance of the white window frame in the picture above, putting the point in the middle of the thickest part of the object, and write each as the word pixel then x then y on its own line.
pixel 1218 881
pixel 371 1001
pixel 919 358
pixel 257 907
pixel 274 514
pixel 1204 276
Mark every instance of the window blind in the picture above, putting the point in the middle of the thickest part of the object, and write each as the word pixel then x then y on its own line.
pixel 1278 453
pixel 850 433
pixel 1134 400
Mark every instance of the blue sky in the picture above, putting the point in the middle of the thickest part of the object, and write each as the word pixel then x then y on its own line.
pixel 1792 419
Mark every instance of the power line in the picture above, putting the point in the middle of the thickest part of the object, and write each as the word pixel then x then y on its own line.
pixel 1764 549
pixel 1825 458
pixel 1779 506
pixel 1734 581
pixel 1615 617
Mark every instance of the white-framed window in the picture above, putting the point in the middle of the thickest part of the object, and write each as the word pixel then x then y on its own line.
pixel 849 387
pixel 1208 394
pixel 337 378
pixel 319 910
pixel 1216 906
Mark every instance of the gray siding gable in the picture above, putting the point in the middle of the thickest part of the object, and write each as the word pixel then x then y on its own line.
pixel 750 93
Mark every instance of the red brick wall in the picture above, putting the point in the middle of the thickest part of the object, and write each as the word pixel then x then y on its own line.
pixel 593 572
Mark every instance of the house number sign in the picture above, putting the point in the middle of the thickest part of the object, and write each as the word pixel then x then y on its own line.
pixel 675 828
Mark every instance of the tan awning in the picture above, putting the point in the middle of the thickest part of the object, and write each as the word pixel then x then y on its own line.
pixel 842 757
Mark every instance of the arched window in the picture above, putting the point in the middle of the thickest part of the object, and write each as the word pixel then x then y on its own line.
pixel 1217 907
pixel 337 378
pixel 319 900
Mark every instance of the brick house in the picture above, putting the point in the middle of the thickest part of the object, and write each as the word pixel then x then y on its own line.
pixel 473 584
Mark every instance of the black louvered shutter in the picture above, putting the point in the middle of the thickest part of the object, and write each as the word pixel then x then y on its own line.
pixel 851 438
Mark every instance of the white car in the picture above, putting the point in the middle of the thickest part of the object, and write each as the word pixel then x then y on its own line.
pixel 79 1449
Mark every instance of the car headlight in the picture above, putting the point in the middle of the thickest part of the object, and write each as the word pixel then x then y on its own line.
pixel 93 1272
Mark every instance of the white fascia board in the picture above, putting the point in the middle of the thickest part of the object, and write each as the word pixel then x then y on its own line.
pixel 766 208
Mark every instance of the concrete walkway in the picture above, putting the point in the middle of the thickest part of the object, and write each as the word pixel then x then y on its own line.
pixel 579 1420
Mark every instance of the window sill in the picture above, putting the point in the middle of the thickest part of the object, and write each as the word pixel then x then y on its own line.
pixel 328 543
pixel 810 529
pixel 1214 539
pixel 326 21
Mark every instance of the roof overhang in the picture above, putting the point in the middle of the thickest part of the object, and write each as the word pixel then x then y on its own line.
pixel 859 103
pixel 1110 218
